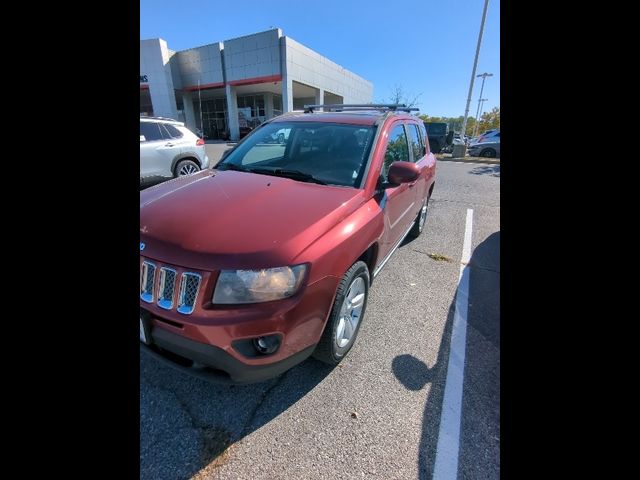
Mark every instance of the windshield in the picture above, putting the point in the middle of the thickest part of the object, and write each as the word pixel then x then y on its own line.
pixel 326 153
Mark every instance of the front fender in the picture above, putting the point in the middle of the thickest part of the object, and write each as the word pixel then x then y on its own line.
pixel 334 252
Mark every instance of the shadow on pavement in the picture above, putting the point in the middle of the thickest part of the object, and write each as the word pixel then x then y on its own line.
pixel 493 170
pixel 187 423
pixel 480 424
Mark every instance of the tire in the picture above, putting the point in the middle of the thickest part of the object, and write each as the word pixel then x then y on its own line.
pixel 435 146
pixel 419 222
pixel 281 138
pixel 333 346
pixel 186 167
pixel 488 152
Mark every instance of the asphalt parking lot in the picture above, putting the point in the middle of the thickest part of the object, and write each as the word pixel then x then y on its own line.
pixel 378 414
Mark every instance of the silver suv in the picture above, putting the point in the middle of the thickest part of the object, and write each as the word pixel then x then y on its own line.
pixel 168 149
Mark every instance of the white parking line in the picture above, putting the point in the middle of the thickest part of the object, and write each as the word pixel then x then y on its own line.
pixel 446 465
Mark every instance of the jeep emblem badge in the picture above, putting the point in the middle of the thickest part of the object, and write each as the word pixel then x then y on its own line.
pixel 142 245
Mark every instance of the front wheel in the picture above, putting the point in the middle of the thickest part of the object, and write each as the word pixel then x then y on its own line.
pixel 346 315
pixel 488 153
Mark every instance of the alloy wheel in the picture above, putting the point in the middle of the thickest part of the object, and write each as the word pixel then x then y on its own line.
pixel 350 313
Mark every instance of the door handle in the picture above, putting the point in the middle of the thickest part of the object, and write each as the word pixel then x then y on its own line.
pixel 168 144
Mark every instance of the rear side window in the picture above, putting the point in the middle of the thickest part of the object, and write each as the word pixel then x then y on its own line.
pixel 173 131
pixel 416 142
pixel 151 131
pixel 397 149
pixel 423 134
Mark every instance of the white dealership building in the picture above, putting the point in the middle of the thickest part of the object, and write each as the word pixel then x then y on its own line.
pixel 240 83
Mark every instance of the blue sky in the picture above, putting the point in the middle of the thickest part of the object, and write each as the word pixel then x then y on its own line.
pixel 425 46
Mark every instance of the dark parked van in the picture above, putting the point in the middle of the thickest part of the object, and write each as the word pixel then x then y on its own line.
pixel 438 134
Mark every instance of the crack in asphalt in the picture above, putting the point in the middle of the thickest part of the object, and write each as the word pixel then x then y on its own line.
pixel 151 446
pixel 263 397
pixel 214 440
pixel 195 424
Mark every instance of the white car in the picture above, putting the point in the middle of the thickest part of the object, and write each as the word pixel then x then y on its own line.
pixel 281 135
pixel 168 149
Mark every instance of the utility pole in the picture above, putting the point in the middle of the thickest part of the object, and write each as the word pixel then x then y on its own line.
pixel 473 75
pixel 484 76
pixel 475 129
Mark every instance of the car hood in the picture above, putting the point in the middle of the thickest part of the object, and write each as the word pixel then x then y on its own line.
pixel 227 219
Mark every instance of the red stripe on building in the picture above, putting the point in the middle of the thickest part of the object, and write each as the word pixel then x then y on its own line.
pixel 252 81
pixel 144 87
pixel 204 86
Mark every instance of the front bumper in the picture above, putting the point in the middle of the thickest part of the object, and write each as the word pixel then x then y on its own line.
pixel 212 363
pixel 216 338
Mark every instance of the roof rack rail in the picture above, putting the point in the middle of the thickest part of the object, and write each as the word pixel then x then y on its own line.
pixel 161 118
pixel 361 106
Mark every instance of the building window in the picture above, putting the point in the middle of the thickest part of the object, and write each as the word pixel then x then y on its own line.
pixel 277 105
pixel 252 110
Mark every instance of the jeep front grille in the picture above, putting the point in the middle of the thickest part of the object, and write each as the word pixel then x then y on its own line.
pixel 166 288
pixel 189 285
pixel 147 280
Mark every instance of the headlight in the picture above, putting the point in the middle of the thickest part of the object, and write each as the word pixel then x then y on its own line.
pixel 253 286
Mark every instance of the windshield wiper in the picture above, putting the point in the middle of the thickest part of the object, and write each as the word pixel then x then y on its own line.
pixel 292 174
pixel 231 166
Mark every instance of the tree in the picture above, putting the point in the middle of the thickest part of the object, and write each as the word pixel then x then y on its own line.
pixel 399 96
pixel 489 120
pixel 455 123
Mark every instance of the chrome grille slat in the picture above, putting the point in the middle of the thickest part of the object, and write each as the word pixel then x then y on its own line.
pixel 166 288
pixel 147 280
pixel 189 285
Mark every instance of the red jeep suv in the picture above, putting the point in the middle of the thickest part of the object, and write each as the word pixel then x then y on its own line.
pixel 248 269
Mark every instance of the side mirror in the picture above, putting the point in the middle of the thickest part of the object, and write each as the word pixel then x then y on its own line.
pixel 143 138
pixel 402 172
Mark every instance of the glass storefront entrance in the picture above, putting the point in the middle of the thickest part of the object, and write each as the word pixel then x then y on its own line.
pixel 214 118
pixel 146 108
pixel 251 112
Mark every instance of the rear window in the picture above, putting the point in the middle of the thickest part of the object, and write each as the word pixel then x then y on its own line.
pixel 416 142
pixel 173 131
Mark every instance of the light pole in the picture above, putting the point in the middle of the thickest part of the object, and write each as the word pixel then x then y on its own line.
pixel 475 129
pixel 473 75
pixel 484 76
